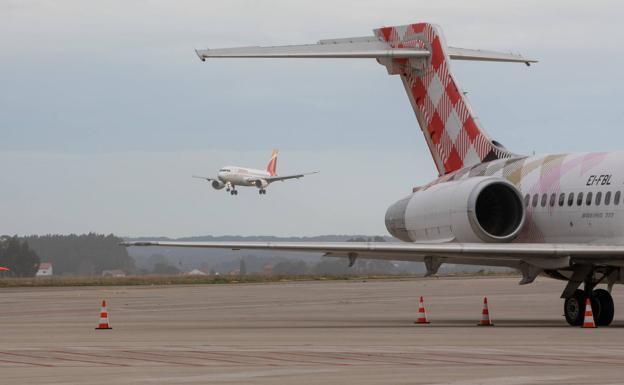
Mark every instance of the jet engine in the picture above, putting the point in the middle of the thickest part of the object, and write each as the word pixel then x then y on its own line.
pixel 261 183
pixel 479 209
pixel 217 184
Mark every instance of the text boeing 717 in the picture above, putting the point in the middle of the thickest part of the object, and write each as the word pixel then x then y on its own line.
pixel 229 177
pixel 559 215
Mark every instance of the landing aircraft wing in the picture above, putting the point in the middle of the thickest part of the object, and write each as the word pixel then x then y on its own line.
pixel 204 177
pixel 276 178
pixel 286 177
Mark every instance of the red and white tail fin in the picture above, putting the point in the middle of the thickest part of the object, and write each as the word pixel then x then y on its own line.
pixel 419 54
pixel 452 131
pixel 272 166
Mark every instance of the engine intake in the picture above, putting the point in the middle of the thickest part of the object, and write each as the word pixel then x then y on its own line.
pixel 480 209
pixel 499 210
pixel 217 184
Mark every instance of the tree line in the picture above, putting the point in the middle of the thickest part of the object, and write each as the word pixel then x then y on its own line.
pixel 18 257
pixel 85 254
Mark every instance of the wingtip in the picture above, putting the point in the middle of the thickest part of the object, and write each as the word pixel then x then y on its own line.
pixel 201 57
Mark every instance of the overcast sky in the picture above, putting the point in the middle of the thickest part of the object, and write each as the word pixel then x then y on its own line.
pixel 105 111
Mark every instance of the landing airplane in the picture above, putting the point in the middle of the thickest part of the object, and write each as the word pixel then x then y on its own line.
pixel 232 176
pixel 558 215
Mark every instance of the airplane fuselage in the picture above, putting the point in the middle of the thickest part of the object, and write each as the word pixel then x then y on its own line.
pixel 567 198
pixel 240 176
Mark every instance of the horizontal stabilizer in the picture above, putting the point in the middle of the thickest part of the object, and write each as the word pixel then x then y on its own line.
pixel 354 48
pixel 481 55
pixel 340 49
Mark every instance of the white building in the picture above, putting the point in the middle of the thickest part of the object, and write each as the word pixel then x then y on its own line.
pixel 113 273
pixel 196 272
pixel 45 270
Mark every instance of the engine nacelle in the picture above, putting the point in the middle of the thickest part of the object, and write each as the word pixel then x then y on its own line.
pixel 217 184
pixel 480 209
pixel 261 183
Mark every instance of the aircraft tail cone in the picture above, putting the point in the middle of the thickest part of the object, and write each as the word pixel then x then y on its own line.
pixel 485 314
pixel 422 314
pixel 104 325
pixel 588 322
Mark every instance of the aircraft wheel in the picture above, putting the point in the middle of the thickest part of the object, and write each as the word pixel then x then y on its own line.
pixel 574 308
pixel 605 308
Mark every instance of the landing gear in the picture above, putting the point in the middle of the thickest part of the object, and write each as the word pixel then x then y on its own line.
pixel 605 307
pixel 262 191
pixel 234 192
pixel 574 308
pixel 601 303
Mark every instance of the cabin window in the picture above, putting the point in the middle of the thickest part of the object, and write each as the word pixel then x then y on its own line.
pixel 598 198
pixel 527 199
pixel 579 199
pixel 534 203
pixel 570 199
pixel 616 198
pixel 589 199
pixel 544 199
pixel 561 199
pixel 553 198
pixel 608 198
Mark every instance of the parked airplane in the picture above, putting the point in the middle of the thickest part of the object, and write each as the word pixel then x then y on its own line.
pixel 560 215
pixel 229 177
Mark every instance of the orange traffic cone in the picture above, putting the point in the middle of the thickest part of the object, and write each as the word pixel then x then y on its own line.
pixel 588 322
pixel 422 315
pixel 485 315
pixel 103 318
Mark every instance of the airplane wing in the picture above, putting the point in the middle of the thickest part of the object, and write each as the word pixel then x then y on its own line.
pixel 276 178
pixel 544 255
pixel 204 177
pixel 286 177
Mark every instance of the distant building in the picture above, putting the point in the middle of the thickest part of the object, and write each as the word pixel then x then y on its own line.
pixel 45 270
pixel 196 272
pixel 235 272
pixel 113 273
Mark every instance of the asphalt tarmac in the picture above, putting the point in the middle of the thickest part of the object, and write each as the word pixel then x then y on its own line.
pixel 332 332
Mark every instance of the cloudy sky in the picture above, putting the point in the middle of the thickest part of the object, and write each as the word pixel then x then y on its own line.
pixel 105 111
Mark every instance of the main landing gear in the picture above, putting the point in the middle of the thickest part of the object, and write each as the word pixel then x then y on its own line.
pixel 234 192
pixel 262 191
pixel 601 302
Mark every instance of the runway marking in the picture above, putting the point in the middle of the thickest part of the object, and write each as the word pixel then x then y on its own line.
pixel 246 354
pixel 315 357
pixel 223 359
pixel 151 353
pixel 59 358
pixel 25 363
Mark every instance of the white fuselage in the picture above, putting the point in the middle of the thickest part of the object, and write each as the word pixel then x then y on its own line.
pixel 240 176
pixel 567 198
